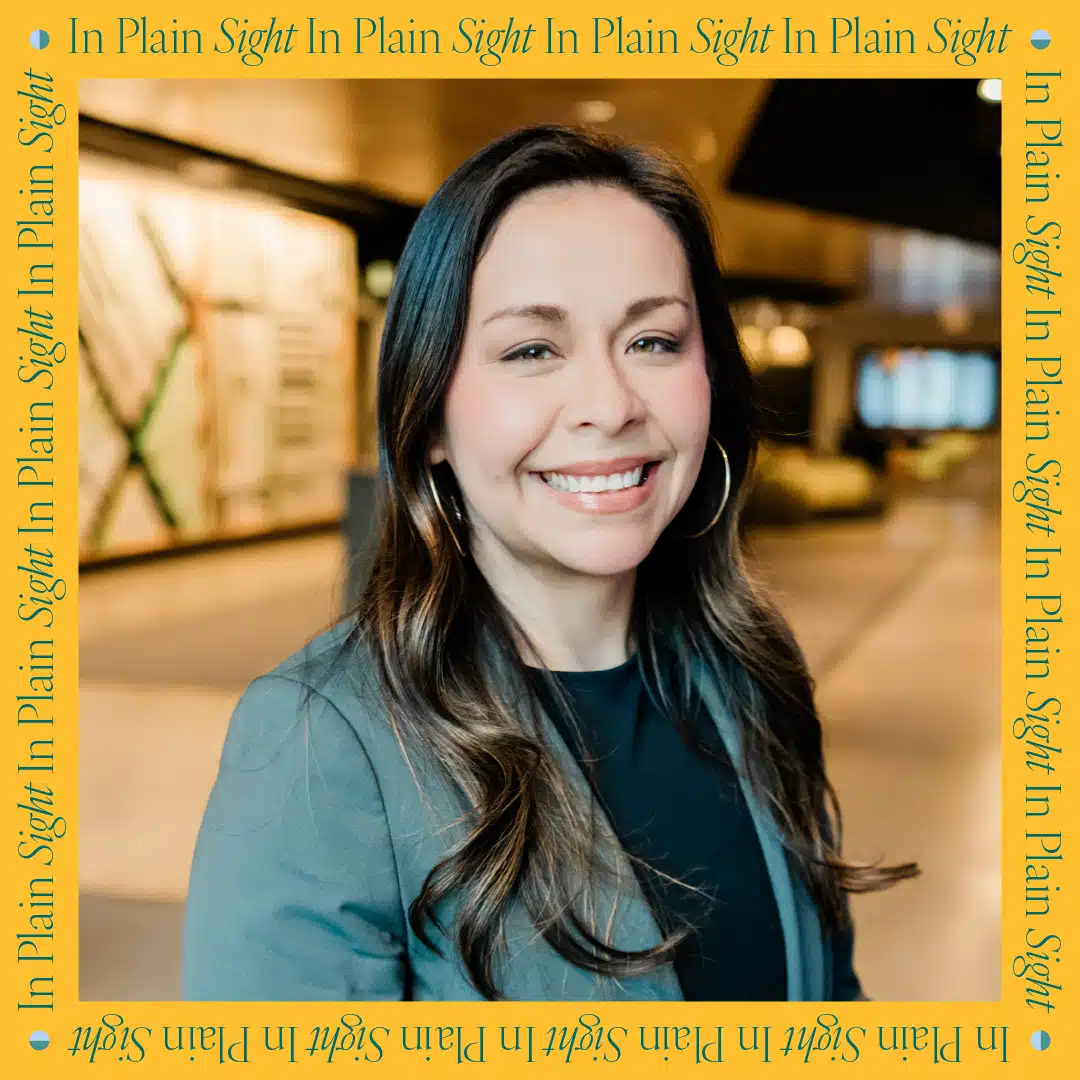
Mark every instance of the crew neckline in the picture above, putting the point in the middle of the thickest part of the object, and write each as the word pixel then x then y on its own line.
pixel 595 675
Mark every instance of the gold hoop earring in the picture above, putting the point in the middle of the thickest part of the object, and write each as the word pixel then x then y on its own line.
pixel 442 514
pixel 727 492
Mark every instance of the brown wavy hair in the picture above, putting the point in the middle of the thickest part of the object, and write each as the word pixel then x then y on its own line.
pixel 455 686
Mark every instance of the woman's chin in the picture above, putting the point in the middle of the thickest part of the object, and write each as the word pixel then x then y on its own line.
pixel 604 560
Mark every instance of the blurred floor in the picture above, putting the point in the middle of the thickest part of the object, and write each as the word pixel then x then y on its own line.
pixel 899 620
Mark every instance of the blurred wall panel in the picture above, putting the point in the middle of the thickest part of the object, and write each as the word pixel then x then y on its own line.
pixel 218 352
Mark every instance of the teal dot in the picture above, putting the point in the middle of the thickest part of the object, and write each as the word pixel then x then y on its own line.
pixel 39 39
pixel 1040 39
pixel 1040 1040
pixel 39 1040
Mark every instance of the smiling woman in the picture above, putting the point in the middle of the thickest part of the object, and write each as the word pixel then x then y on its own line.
pixel 582 361
pixel 563 749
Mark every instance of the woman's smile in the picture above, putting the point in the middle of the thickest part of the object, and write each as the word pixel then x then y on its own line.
pixel 614 486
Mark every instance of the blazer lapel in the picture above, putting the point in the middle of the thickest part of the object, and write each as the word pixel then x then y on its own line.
pixel 803 944
pixel 622 912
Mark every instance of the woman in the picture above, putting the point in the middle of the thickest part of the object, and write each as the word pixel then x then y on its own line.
pixel 563 749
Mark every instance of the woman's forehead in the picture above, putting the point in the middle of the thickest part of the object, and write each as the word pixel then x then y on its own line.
pixel 567 245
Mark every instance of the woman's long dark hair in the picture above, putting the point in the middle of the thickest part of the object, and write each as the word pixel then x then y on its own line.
pixel 437 633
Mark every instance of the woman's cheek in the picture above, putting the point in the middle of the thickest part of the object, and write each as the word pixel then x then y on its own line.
pixel 492 427
pixel 681 402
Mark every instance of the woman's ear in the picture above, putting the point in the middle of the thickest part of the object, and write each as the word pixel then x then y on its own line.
pixel 436 451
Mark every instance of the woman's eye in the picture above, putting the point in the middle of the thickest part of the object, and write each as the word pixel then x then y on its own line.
pixel 654 345
pixel 530 352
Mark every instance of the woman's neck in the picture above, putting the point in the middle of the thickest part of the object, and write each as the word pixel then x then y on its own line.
pixel 573 622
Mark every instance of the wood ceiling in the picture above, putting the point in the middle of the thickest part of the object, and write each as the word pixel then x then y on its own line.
pixel 402 137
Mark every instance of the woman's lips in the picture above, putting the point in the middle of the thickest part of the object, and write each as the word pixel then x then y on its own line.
pixel 601 467
pixel 606 502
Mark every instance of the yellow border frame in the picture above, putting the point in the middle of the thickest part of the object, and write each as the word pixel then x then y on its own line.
pixel 225 1024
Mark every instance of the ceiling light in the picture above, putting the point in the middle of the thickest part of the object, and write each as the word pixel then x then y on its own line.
pixel 955 318
pixel 788 346
pixel 704 147
pixel 765 315
pixel 594 112
pixel 208 173
pixel 378 277
pixel 753 343
pixel 990 90
pixel 801 316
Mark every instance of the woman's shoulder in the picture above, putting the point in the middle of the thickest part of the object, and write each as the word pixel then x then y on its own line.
pixel 294 891
pixel 335 666
pixel 330 678
pixel 318 725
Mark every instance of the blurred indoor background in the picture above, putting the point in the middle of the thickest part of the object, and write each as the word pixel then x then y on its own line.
pixel 237 242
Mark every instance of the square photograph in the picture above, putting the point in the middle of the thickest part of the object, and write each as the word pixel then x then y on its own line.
pixel 539 540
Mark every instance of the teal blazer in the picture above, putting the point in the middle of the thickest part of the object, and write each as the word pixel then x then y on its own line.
pixel 318 835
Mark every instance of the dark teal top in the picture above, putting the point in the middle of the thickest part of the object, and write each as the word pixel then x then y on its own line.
pixel 674 801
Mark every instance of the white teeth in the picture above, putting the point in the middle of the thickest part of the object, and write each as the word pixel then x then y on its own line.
pixel 614 482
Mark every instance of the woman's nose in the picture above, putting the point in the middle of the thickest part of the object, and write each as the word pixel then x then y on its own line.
pixel 603 395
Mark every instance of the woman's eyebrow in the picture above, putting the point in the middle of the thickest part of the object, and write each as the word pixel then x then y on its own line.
pixel 545 312
pixel 651 303
pixel 552 313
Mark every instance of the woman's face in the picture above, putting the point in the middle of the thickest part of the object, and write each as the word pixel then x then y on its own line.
pixel 578 414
